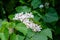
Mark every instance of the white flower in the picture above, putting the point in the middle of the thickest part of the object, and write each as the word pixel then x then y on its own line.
pixel 29 15
pixel 16 17
pixel 25 19
pixel 46 4
pixel 10 30
pixel 41 6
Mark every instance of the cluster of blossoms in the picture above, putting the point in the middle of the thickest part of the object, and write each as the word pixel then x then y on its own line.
pixel 25 19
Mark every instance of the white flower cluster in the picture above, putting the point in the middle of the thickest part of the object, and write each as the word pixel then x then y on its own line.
pixel 45 5
pixel 25 19
pixel 21 16
pixel 41 6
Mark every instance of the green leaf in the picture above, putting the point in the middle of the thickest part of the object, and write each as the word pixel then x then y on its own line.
pixel 51 16
pixel 30 33
pixel 22 1
pixel 35 3
pixel 16 37
pixel 47 32
pixel 27 38
pixel 13 37
pixel 3 27
pixel 39 37
pixel 23 9
pixel 2 36
pixel 6 33
pixel 37 15
pixel 11 24
pixel 21 28
pixel 4 23
pixel 11 17
pixel 36 18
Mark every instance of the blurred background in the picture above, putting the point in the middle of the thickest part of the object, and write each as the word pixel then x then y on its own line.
pixel 52 7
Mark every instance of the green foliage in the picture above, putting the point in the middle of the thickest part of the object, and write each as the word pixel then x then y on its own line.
pixel 2 36
pixel 13 37
pixel 39 37
pixel 35 3
pixel 22 1
pixel 11 17
pixel 30 33
pixel 16 37
pixel 47 32
pixel 21 28
pixel 51 15
pixel 23 9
